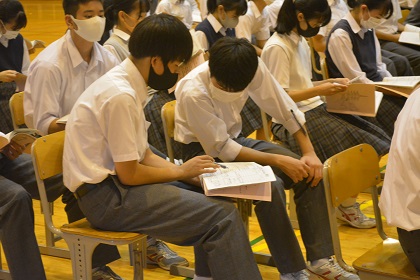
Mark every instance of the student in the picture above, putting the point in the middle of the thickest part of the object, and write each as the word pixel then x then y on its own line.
pixel 353 51
pixel 399 197
pixel 388 31
pixel 125 15
pixel 214 94
pixel 254 25
pixel 122 17
pixel 221 21
pixel 57 77
pixel 122 189
pixel 273 12
pixel 14 56
pixel 180 9
pixel 396 64
pixel 17 218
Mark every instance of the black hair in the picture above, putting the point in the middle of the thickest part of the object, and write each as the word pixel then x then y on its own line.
pixel 384 5
pixel 113 7
pixel 311 9
pixel 233 63
pixel 71 7
pixel 239 6
pixel 161 35
pixel 13 10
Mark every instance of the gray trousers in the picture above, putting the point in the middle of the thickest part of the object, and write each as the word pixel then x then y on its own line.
pixel 411 52
pixel 176 214
pixel 17 225
pixel 396 64
pixel 273 218
pixel 410 242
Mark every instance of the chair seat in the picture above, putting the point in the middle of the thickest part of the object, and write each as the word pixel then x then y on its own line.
pixel 386 261
pixel 84 228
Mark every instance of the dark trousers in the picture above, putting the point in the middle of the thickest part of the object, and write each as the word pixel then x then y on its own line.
pixel 410 242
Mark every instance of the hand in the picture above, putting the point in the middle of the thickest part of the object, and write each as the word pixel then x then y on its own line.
pixel 329 88
pixel 296 169
pixel 197 166
pixel 13 150
pixel 8 76
pixel 315 165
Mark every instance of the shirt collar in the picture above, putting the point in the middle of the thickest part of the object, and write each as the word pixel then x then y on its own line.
pixel 216 24
pixel 136 80
pixel 254 9
pixel 355 27
pixel 295 38
pixel 121 34
pixel 76 58
pixel 4 41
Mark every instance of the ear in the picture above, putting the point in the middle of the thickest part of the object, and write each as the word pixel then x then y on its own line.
pixel 157 65
pixel 70 23
pixel 300 17
pixel 121 16
pixel 220 8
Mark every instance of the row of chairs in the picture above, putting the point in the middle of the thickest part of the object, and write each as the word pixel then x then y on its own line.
pixel 385 261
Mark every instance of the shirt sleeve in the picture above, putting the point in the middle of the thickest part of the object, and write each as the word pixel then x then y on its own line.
pixel 272 99
pixel 42 95
pixel 281 71
pixel 112 50
pixel 207 127
pixel 341 51
pixel 243 29
pixel 25 60
pixel 263 32
pixel 202 39
pixel 381 66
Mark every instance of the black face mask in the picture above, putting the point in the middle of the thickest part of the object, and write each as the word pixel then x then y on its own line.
pixel 164 81
pixel 309 32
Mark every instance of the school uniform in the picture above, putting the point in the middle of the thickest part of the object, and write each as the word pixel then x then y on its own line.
pixel 353 51
pixel 109 119
pixel 180 10
pixel 400 202
pixel 206 125
pixel 329 133
pixel 207 33
pixel 254 23
pixel 56 79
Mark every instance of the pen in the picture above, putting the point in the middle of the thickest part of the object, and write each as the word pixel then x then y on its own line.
pixel 221 165
pixel 355 79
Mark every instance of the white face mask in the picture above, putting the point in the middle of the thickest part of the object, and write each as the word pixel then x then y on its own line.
pixel 10 34
pixel 224 96
pixel 229 22
pixel 90 29
pixel 372 22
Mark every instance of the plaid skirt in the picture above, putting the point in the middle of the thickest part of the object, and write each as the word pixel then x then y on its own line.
pixel 251 118
pixel 333 133
pixel 6 91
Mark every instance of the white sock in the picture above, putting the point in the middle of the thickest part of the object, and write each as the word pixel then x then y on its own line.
pixel 201 278
pixel 319 262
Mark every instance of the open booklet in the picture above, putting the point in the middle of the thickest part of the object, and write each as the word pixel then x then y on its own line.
pixel 22 136
pixel 410 35
pixel 63 120
pixel 247 180
pixel 358 99
pixel 402 86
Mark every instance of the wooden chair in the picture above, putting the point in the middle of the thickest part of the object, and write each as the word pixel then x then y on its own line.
pixel 16 109
pixel 404 14
pixel 81 237
pixel 4 274
pixel 346 174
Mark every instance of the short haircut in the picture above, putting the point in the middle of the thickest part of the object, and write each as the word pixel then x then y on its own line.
pixel 384 5
pixel 233 63
pixel 112 8
pixel 239 6
pixel 71 7
pixel 161 35
pixel 311 9
pixel 12 10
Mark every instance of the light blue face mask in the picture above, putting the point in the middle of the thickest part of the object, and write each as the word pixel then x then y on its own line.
pixel 229 22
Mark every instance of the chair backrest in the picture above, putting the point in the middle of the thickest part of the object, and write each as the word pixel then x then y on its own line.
pixel 47 158
pixel 345 175
pixel 16 109
pixel 404 15
pixel 168 121
pixel 324 69
pixel 313 57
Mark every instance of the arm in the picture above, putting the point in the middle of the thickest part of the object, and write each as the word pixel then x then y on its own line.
pixel 387 36
pixel 153 169
pixel 341 51
pixel 319 42
pixel 380 65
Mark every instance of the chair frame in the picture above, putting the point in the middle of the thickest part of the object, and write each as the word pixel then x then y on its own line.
pixel 81 238
pixel 360 167
pixel 16 109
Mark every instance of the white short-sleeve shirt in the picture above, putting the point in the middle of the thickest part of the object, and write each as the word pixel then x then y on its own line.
pixel 57 77
pixel 106 125
pixel 201 118
pixel 180 10
pixel 253 23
